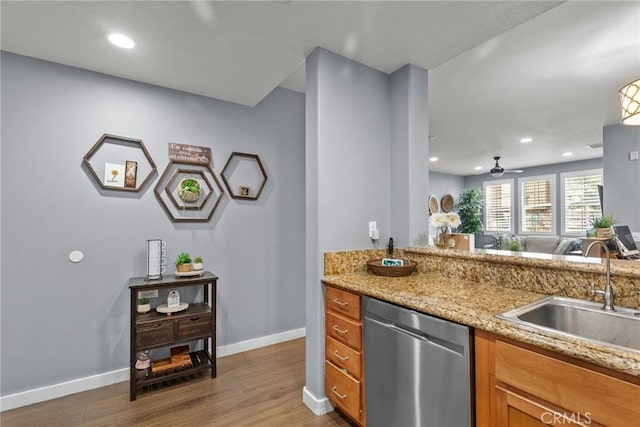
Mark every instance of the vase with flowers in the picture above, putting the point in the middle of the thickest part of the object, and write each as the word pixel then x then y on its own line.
pixel 443 223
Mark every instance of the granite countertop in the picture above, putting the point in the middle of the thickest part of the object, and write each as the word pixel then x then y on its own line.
pixel 475 305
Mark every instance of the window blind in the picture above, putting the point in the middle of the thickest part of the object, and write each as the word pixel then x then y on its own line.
pixel 498 207
pixel 537 208
pixel 581 203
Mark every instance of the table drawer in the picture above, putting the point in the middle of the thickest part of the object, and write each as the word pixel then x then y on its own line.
pixel 345 331
pixel 156 333
pixel 343 390
pixel 195 326
pixel 344 303
pixel 344 357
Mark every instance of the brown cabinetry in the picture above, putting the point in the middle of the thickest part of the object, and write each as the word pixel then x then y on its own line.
pixel 344 364
pixel 518 385
pixel 156 330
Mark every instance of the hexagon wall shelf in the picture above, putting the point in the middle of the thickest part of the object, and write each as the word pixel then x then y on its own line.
pixel 167 192
pixel 119 149
pixel 259 178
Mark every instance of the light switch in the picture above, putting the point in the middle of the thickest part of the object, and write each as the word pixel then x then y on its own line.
pixel 633 155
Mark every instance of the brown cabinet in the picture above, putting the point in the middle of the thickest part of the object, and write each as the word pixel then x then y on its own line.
pixel 156 330
pixel 519 385
pixel 344 364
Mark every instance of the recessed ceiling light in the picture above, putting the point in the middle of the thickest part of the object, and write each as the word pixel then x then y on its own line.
pixel 121 40
pixel 526 140
pixel 567 154
pixel 433 159
pixel 478 168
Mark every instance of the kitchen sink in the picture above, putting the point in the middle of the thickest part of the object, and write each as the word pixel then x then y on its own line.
pixel 581 319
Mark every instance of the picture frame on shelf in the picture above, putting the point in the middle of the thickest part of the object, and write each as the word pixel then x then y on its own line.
pixel 244 191
pixel 114 175
pixel 130 173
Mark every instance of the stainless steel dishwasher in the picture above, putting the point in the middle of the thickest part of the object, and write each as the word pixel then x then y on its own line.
pixel 418 368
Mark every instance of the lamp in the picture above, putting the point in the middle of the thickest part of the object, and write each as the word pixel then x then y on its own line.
pixel 630 103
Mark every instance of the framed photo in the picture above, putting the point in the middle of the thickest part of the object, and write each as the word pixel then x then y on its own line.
pixel 392 262
pixel 113 175
pixel 244 191
pixel 130 173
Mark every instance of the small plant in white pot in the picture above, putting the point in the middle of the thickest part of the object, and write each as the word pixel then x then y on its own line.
pixel 143 305
pixel 197 264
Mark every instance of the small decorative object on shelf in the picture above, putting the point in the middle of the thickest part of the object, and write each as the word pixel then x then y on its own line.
pixel 443 223
pixel 156 251
pixel 197 264
pixel 173 299
pixel 144 360
pixel 245 191
pixel 189 190
pixel 183 262
pixel 144 306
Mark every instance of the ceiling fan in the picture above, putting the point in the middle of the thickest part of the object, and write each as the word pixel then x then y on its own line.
pixel 497 171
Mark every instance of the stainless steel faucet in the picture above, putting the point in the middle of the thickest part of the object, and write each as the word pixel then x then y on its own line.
pixel 607 295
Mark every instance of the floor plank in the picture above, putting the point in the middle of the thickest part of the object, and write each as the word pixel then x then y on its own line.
pixel 261 387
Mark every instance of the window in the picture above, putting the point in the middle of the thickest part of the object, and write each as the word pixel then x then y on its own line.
pixel 580 200
pixel 537 204
pixel 498 206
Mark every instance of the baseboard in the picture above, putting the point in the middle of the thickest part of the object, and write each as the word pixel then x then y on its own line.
pixel 54 391
pixel 317 406
pixel 239 347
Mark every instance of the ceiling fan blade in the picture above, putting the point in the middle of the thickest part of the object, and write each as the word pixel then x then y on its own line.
pixel 513 170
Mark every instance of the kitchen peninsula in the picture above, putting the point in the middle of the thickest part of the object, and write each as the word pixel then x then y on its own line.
pixel 471 288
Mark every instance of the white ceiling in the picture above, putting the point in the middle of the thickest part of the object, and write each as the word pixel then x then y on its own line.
pixel 552 76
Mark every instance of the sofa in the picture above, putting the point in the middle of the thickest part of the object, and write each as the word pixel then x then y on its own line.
pixel 542 244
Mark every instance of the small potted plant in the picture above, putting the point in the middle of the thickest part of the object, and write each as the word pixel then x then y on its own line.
pixel 197 263
pixel 189 190
pixel 183 262
pixel 603 226
pixel 143 305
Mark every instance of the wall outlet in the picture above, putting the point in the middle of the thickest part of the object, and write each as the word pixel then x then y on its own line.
pixel 373 230
pixel 633 155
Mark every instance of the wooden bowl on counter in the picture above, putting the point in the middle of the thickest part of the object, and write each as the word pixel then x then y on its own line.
pixel 376 267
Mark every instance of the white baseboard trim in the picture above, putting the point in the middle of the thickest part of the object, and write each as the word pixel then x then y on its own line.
pixel 239 347
pixel 66 388
pixel 317 406
pixel 54 391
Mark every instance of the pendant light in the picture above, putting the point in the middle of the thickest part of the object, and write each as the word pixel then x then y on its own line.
pixel 630 102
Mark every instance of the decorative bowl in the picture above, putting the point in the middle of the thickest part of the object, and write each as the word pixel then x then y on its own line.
pixel 376 267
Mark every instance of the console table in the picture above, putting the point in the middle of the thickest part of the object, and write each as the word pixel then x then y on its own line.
pixel 155 330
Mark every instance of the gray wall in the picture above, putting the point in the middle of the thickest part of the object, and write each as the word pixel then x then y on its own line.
pixel 621 175
pixel 74 318
pixel 349 172
pixel 473 181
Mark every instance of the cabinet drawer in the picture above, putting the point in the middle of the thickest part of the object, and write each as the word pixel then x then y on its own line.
pixel 345 331
pixel 344 357
pixel 573 388
pixel 194 327
pixel 343 390
pixel 342 302
pixel 156 333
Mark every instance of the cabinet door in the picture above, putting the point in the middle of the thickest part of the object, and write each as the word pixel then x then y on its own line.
pixel 515 410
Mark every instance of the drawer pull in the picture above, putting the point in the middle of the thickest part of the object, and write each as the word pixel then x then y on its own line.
pixel 344 359
pixel 341 396
pixel 195 319
pixel 340 331
pixel 337 301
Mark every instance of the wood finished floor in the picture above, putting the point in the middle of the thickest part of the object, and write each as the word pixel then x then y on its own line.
pixel 261 387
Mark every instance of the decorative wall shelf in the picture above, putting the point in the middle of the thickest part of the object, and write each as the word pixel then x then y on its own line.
pixel 195 208
pixel 117 150
pixel 245 164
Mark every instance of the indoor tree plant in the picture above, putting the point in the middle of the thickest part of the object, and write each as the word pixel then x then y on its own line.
pixel 183 262
pixel 469 207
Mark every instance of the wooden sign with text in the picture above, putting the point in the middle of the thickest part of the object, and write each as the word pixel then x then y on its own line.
pixel 184 153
